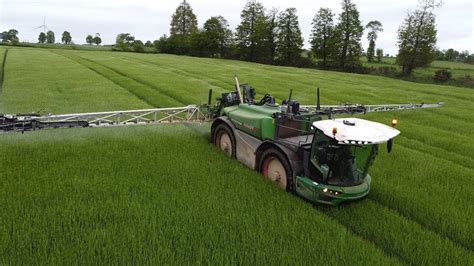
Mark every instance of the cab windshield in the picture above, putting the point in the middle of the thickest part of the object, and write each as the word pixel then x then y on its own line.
pixel 348 164
pixel 342 165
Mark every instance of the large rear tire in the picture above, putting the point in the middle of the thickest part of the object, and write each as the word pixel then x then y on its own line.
pixel 276 168
pixel 224 139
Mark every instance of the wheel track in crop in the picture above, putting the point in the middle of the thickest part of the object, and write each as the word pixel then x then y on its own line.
pixel 461 138
pixel 391 247
pixel 426 227
pixel 290 70
pixel 181 72
pixel 176 71
pixel 447 155
pixel 198 76
pixel 71 57
pixel 2 73
pixel 436 227
pixel 140 81
pixel 351 230
pixel 421 90
pixel 141 97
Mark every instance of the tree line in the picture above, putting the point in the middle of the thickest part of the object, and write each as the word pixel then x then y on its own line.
pixel 271 36
pixel 274 37
pixel 455 56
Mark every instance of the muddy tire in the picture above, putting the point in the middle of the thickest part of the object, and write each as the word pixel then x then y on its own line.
pixel 224 139
pixel 275 167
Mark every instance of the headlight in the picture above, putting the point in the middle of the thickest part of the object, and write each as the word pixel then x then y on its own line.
pixel 331 192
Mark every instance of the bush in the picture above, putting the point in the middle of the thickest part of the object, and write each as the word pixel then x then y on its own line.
pixel 442 75
pixel 384 70
pixel 468 81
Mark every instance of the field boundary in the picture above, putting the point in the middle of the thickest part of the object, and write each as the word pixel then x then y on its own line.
pixel 2 73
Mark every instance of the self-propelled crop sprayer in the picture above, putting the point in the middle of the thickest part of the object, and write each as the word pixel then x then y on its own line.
pixel 302 149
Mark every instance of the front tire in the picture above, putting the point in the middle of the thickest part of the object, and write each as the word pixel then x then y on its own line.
pixel 275 167
pixel 224 140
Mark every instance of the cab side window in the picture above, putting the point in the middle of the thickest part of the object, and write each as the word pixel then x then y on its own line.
pixel 320 144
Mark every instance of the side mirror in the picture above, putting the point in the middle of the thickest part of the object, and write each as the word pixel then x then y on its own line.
pixel 390 145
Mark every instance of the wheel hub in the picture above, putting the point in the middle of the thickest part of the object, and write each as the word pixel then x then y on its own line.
pixel 274 171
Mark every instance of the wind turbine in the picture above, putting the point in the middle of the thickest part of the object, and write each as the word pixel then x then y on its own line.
pixel 43 25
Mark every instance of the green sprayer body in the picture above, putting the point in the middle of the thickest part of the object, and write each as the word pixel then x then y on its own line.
pixel 304 150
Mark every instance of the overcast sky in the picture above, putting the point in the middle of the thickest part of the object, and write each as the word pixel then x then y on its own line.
pixel 149 19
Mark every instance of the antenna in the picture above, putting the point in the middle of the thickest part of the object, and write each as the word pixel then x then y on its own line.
pixel 209 98
pixel 318 105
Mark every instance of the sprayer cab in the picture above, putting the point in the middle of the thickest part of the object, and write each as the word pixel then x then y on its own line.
pixel 341 154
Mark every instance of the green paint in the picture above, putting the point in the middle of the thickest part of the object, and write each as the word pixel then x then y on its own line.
pixel 254 120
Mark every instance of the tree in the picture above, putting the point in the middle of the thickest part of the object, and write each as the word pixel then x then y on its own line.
pixel 138 46
pixel 322 36
pixel 374 28
pixel 290 42
pixel 271 35
pixel 251 31
pixel 417 37
pixel 183 25
pixel 42 37
pixel 162 45
pixel 463 56
pixel 89 39
pixel 198 44
pixel 97 40
pixel 148 44
pixel 451 54
pixel 123 41
pixel 66 37
pixel 183 21
pixel 379 55
pixel 216 35
pixel 470 59
pixel 50 37
pixel 10 36
pixel 439 55
pixel 4 36
pixel 349 32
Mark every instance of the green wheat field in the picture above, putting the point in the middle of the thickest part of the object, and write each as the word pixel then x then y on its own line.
pixel 164 194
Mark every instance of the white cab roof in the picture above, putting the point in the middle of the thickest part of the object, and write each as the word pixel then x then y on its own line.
pixel 356 131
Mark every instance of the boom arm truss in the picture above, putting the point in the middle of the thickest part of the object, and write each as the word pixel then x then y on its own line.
pixel 190 113
pixel 363 109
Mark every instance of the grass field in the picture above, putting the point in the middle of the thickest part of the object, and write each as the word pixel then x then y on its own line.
pixel 163 193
